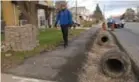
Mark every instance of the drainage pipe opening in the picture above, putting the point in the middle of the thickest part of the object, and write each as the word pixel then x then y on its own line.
pixel 114 65
pixel 104 39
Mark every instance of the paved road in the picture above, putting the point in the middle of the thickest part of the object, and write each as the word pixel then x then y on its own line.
pixel 129 40
pixel 133 27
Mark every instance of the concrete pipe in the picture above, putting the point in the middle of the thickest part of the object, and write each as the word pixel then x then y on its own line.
pixel 103 39
pixel 115 63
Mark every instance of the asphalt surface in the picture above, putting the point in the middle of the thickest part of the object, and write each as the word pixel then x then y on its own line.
pixel 59 65
pixel 128 38
pixel 133 27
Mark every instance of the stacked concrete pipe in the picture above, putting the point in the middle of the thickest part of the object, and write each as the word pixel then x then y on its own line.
pixel 115 63
pixel 103 39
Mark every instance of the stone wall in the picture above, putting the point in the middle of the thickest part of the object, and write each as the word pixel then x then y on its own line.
pixel 20 38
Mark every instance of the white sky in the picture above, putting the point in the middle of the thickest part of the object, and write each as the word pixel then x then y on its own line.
pixel 111 7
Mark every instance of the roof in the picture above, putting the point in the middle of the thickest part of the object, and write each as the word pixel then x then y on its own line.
pixel 78 8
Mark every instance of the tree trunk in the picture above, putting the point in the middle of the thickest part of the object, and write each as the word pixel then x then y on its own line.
pixel 29 10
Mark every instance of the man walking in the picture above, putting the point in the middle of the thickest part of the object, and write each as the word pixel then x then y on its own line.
pixel 64 18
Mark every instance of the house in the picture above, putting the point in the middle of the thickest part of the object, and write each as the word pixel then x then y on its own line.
pixel 59 3
pixel 137 16
pixel 13 16
pixel 78 12
pixel 18 13
pixel 46 17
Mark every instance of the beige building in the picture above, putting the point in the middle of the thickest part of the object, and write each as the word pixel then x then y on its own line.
pixel 59 3
pixel 80 11
pixel 46 20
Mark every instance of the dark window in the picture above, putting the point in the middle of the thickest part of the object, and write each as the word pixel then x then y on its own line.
pixel 14 2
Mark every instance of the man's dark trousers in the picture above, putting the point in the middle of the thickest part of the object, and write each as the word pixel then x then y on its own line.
pixel 64 29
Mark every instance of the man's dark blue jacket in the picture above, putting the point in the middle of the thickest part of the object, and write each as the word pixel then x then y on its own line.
pixel 64 17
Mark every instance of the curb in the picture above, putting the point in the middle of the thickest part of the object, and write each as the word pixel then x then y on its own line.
pixel 133 63
pixel 13 78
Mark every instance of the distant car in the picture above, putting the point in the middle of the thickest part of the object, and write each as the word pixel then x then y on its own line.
pixel 110 21
pixel 123 23
pixel 117 23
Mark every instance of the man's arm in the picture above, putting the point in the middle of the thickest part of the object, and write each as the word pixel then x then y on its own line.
pixel 57 19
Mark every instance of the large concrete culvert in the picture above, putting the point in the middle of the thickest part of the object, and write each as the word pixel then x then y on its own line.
pixel 103 39
pixel 115 63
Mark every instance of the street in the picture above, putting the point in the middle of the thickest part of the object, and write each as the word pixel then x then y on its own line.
pixel 128 38
pixel 132 27
pixel 69 41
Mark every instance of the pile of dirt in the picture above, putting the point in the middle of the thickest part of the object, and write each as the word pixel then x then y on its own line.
pixel 92 71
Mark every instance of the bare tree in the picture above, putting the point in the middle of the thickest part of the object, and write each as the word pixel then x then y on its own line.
pixel 129 14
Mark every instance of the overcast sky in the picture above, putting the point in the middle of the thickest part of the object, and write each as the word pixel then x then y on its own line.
pixel 111 7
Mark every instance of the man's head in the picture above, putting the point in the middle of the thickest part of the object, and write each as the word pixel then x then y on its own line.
pixel 64 6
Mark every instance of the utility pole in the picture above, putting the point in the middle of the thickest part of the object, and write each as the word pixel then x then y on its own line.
pixel 104 11
pixel 76 11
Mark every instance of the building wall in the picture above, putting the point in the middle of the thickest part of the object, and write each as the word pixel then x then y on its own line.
pixel 10 13
pixel 41 17
pixel 59 3
pixel 48 20
pixel 50 3
pixel 81 11
pixel 138 9
pixel 46 2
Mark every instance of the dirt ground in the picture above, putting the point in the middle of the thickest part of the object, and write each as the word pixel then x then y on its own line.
pixel 92 72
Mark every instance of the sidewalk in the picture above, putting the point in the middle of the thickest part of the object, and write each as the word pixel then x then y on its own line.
pixel 58 65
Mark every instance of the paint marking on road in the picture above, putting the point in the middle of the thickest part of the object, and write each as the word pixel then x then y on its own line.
pixel 21 79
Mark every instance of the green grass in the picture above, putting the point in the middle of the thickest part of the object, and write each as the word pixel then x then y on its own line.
pixel 48 39
pixel 2 37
